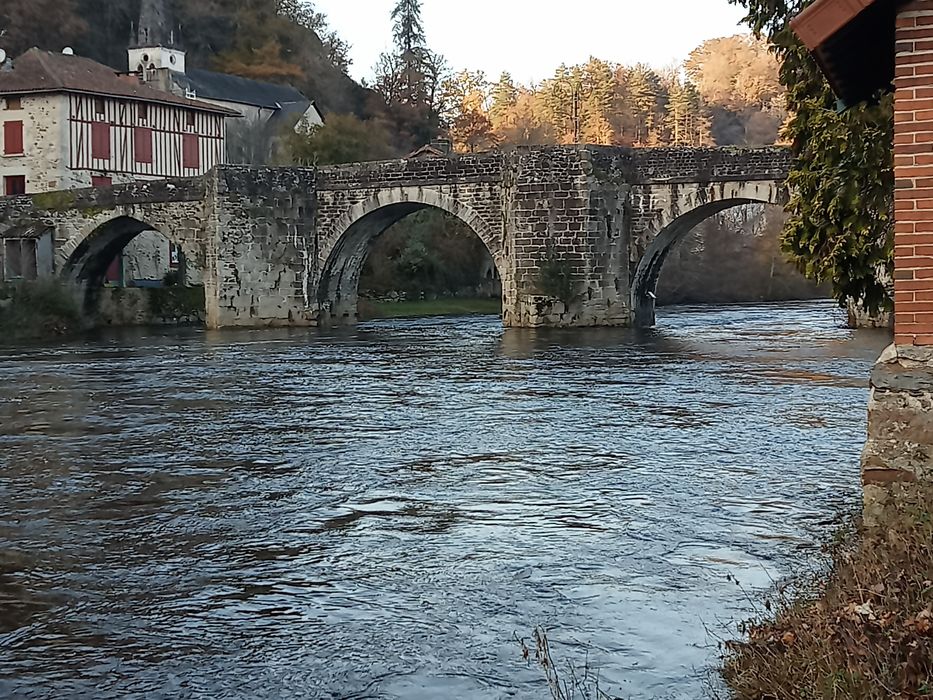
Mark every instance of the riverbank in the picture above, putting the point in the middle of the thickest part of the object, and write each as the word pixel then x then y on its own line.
pixel 862 631
pixel 36 310
pixel 372 309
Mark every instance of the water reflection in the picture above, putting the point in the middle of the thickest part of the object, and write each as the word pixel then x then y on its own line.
pixel 373 512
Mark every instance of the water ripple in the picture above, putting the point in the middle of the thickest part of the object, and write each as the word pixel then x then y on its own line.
pixel 374 512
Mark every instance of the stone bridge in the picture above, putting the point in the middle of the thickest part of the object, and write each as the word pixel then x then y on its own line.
pixel 578 234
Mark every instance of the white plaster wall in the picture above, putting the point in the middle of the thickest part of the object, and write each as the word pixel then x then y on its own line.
pixel 146 257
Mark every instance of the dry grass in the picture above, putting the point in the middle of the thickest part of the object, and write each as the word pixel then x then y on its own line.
pixel 572 684
pixel 863 631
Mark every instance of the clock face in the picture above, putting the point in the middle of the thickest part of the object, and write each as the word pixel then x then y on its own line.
pixel 171 59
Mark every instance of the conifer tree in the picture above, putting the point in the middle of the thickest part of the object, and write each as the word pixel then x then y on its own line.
pixel 645 94
pixel 504 98
pixel 408 33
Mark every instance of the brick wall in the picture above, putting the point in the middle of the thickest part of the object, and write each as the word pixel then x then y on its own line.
pixel 913 172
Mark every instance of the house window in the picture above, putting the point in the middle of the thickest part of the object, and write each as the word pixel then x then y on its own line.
pixel 13 138
pixel 100 141
pixel 142 112
pixel 142 144
pixel 14 184
pixel 100 108
pixel 13 103
pixel 190 119
pixel 190 152
pixel 19 259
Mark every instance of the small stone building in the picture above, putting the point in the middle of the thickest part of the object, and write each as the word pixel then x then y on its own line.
pixel 866 47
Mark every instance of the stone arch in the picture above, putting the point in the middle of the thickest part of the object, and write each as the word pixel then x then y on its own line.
pixel 347 243
pixel 676 226
pixel 86 256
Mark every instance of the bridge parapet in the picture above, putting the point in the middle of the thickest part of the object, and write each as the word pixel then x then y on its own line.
pixel 654 166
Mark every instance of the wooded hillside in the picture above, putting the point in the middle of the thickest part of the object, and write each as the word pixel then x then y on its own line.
pixel 275 40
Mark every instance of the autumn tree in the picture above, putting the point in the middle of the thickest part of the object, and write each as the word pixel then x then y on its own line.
pixel 464 112
pixel 597 102
pixel 503 99
pixel 561 98
pixel 648 101
pixel 738 77
pixel 344 138
pixel 524 124
pixel 687 123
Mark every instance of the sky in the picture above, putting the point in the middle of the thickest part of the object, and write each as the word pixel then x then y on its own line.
pixel 530 38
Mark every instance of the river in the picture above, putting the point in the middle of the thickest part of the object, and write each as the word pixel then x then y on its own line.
pixel 376 512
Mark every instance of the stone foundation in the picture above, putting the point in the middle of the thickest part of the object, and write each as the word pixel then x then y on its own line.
pixel 159 306
pixel 900 423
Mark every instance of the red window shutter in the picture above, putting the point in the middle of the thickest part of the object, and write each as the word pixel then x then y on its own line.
pixel 190 153
pixel 101 181
pixel 100 140
pixel 12 138
pixel 142 144
pixel 14 184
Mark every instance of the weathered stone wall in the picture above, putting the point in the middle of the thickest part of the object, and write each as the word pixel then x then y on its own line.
pixel 665 193
pixel 259 245
pixel 564 223
pixel 572 230
pixel 356 203
pixel 45 143
pixel 900 423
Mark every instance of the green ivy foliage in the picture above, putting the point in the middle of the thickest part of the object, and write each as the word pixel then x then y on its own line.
pixel 840 225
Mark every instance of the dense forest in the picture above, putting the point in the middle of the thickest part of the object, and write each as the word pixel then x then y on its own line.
pixel 726 93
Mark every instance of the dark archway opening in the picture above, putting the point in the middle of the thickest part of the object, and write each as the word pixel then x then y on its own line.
pixel 409 259
pixel 720 253
pixel 129 273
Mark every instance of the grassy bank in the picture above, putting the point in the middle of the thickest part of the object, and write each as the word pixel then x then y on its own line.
pixel 370 309
pixel 863 631
pixel 40 309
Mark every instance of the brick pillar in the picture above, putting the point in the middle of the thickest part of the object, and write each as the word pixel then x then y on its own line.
pixel 913 172
pixel 899 449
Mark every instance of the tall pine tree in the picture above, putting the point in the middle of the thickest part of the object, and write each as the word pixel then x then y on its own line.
pixel 408 33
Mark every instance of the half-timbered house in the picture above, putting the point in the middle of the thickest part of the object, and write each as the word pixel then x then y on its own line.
pixel 70 122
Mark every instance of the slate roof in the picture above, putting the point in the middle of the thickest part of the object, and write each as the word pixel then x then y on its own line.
pixel 38 71
pixel 232 88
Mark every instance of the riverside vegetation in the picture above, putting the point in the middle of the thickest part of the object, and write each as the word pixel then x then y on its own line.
pixel 863 630
pixel 38 309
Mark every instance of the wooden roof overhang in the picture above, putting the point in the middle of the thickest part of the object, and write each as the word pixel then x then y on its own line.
pixel 853 42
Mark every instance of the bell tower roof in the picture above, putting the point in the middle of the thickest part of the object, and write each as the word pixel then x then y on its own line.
pixel 156 27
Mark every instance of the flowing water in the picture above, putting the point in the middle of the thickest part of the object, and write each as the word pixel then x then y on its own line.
pixel 377 512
